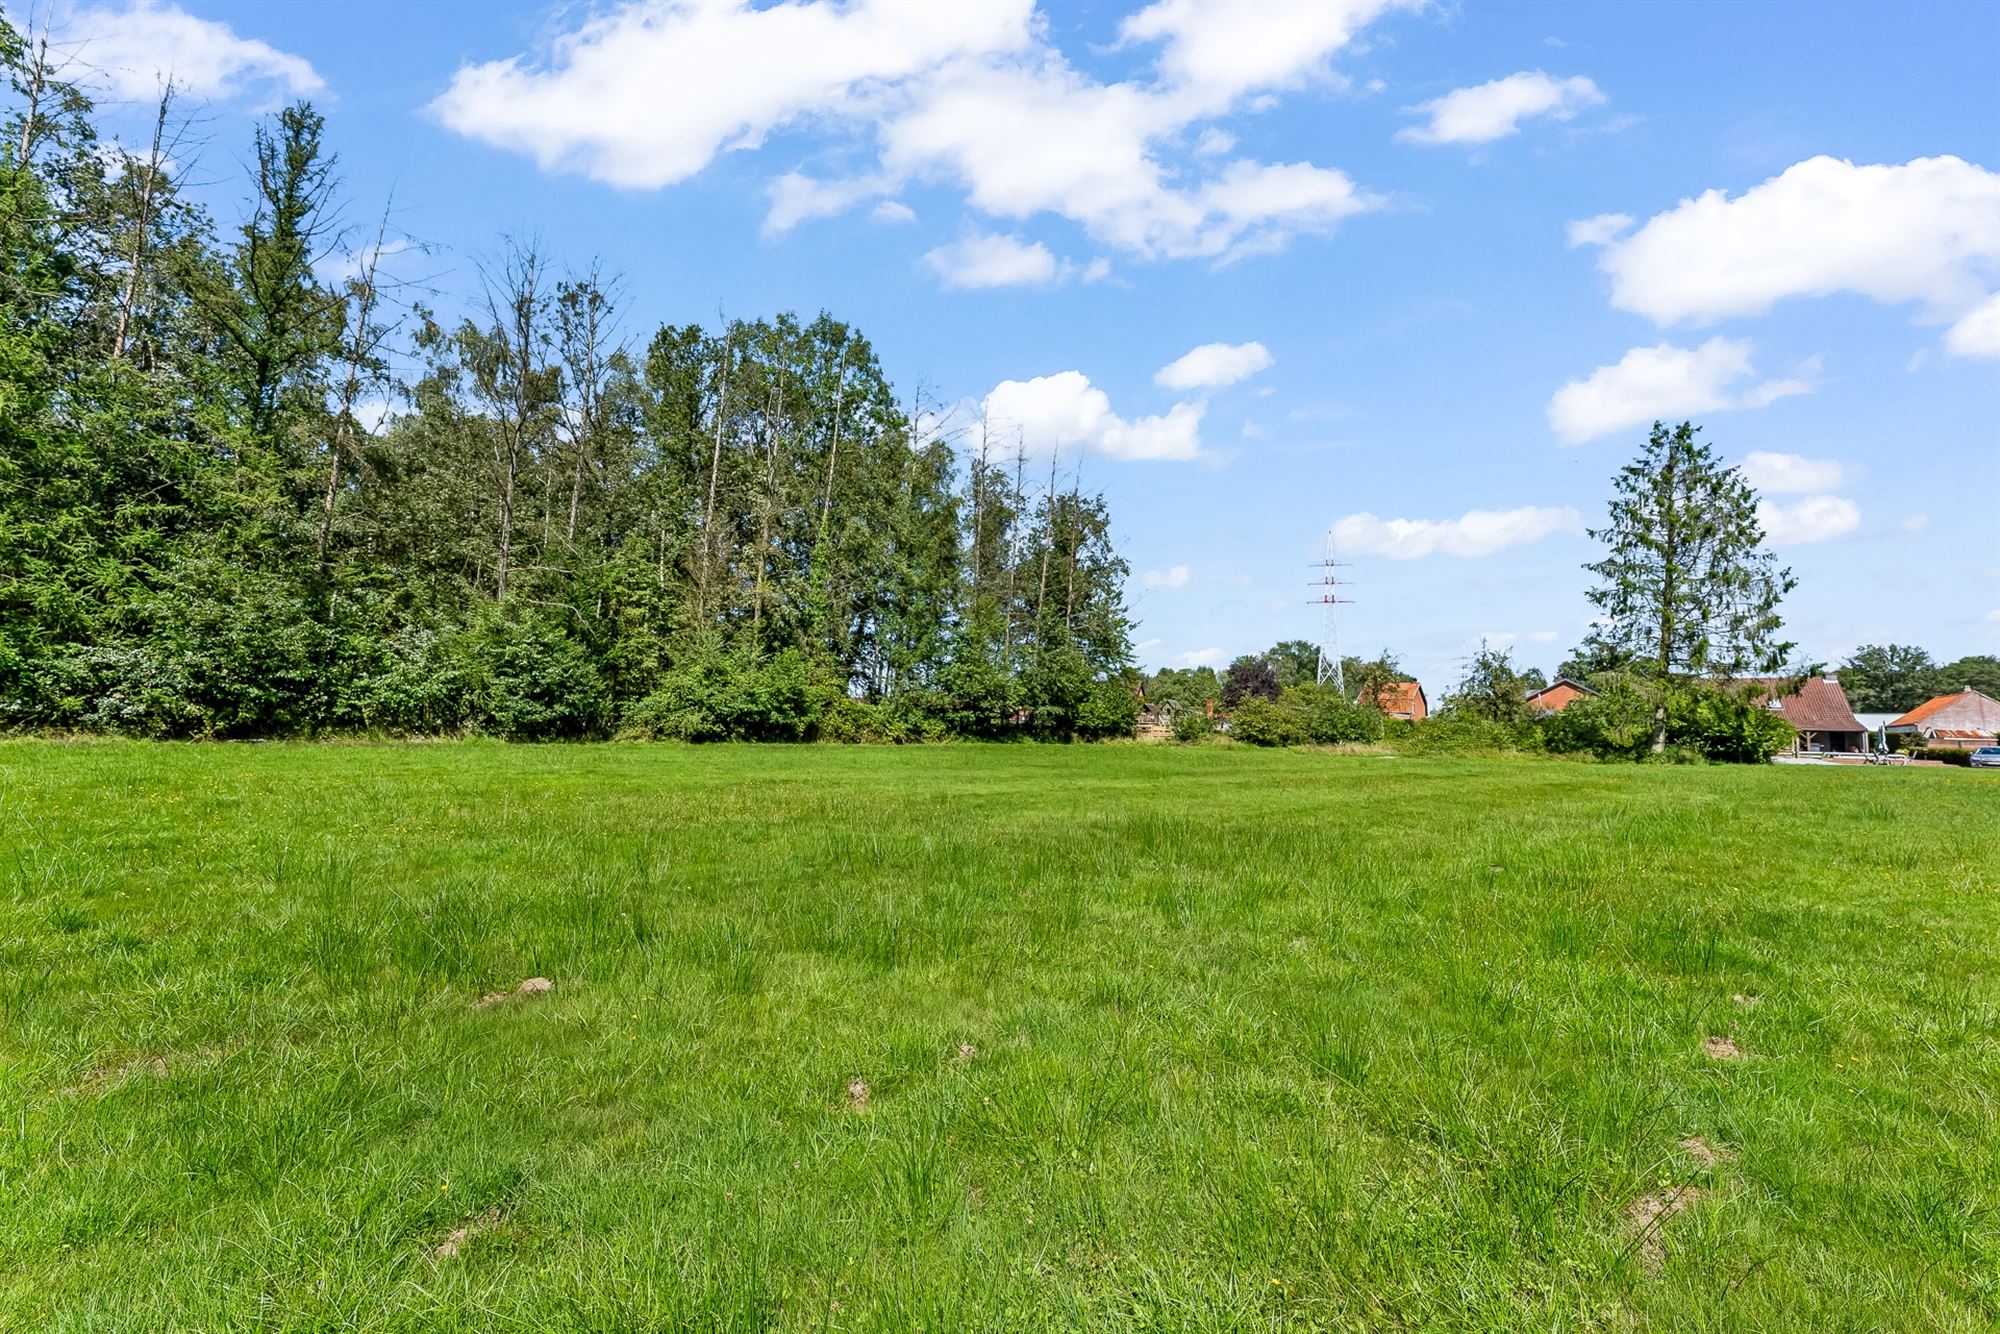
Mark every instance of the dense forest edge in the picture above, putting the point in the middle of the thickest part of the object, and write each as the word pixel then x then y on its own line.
pixel 209 527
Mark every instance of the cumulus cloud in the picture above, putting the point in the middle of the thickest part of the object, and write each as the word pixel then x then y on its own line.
pixel 1066 413
pixel 1977 334
pixel 993 260
pixel 1490 111
pixel 1174 576
pixel 645 94
pixel 1213 366
pixel 1927 231
pixel 1474 533
pixel 1789 474
pixel 648 93
pixel 1600 230
pixel 1202 657
pixel 1813 519
pixel 893 210
pixel 132 50
pixel 1214 50
pixel 1657 383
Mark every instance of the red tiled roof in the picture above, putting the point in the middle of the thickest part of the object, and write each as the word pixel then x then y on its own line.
pixel 1931 706
pixel 1819 706
pixel 1399 697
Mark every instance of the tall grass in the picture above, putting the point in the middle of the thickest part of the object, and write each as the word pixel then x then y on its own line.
pixel 990 1038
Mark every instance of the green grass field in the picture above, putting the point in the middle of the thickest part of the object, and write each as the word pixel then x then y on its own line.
pixel 991 1038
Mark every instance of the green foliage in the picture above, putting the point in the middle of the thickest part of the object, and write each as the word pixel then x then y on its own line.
pixel 1685 590
pixel 1192 724
pixel 1945 755
pixel 1468 734
pixel 1981 671
pixel 1493 690
pixel 726 696
pixel 1330 718
pixel 1888 678
pixel 1267 722
pixel 1712 722
pixel 722 533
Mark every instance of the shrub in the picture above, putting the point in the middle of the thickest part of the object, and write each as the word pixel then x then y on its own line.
pixel 1703 722
pixel 535 682
pixel 1469 734
pixel 712 695
pixel 1329 718
pixel 1263 722
pixel 1192 724
pixel 1111 708
pixel 1946 754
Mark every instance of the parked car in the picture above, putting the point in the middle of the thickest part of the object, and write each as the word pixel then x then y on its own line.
pixel 1986 757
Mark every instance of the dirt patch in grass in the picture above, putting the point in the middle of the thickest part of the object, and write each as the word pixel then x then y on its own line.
pixel 1703 1152
pixel 1647 1216
pixel 461 1236
pixel 857 1094
pixel 966 1051
pixel 1721 1049
pixel 534 986
pixel 1747 1001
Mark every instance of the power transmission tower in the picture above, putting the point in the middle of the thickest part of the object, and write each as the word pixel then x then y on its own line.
pixel 1327 595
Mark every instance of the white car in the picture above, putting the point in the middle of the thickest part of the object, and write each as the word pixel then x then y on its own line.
pixel 1986 757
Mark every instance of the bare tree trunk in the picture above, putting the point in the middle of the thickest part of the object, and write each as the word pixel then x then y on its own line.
pixel 1048 541
pixel 38 80
pixel 833 455
pixel 359 347
pixel 771 439
pixel 714 474
pixel 1013 551
pixel 136 261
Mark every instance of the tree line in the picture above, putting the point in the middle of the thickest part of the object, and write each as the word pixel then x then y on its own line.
pixel 1681 654
pixel 211 526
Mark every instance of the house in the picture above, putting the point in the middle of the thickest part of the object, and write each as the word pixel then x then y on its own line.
pixel 1558 695
pixel 1962 720
pixel 1400 699
pixel 1818 709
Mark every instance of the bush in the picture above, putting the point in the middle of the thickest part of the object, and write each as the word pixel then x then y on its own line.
pixel 1330 719
pixel 1192 724
pixel 1469 734
pixel 535 682
pixel 1703 722
pixel 716 696
pixel 1111 708
pixel 1945 754
pixel 1263 722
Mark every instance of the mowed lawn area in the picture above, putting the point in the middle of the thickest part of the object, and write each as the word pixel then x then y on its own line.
pixel 981 1037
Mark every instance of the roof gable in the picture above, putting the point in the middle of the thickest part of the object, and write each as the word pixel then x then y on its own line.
pixel 1974 706
pixel 1819 706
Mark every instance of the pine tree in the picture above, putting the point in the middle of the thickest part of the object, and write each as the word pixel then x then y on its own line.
pixel 1687 590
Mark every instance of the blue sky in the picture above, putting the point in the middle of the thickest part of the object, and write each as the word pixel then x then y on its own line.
pixel 1476 249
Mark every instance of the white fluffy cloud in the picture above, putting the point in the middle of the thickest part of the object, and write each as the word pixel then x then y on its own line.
pixel 1213 366
pixel 1490 111
pixel 1813 519
pixel 1474 533
pixel 1600 230
pixel 1214 50
pixel 993 260
pixel 647 93
pixel 1927 231
pixel 1977 334
pixel 1066 413
pixel 1790 474
pixel 1174 576
pixel 1202 657
pixel 133 49
pixel 1658 383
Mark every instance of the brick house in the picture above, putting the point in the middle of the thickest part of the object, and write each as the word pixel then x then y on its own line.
pixel 1819 710
pixel 1558 695
pixel 1401 699
pixel 1963 719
